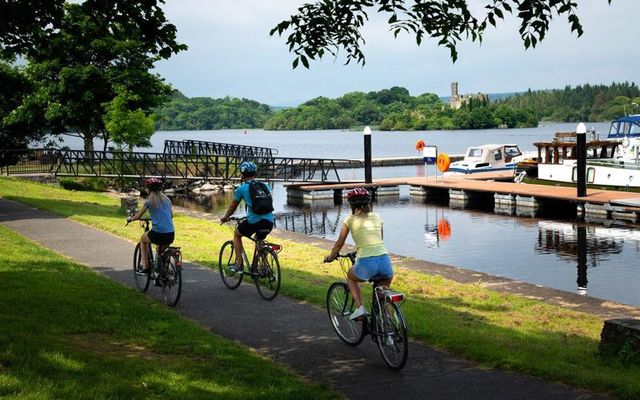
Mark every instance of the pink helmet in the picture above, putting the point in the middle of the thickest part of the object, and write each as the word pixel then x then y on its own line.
pixel 153 184
pixel 358 196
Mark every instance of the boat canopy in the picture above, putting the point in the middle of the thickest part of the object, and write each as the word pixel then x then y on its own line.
pixel 491 152
pixel 628 126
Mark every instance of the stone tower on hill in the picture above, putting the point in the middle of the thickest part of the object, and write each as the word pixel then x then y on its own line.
pixel 456 101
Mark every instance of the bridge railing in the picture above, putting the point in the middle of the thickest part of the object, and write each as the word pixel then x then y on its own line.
pixel 29 161
pixel 187 166
pixel 200 147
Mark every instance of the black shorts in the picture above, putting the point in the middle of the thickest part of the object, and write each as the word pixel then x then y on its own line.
pixel 263 226
pixel 164 239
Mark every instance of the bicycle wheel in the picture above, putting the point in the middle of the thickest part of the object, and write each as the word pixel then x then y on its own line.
pixel 392 336
pixel 231 278
pixel 340 305
pixel 171 282
pixel 266 275
pixel 141 280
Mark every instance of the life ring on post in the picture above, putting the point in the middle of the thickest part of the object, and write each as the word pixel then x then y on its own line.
pixel 420 145
pixel 443 162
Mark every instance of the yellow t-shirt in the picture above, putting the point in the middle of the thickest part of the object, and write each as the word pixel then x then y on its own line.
pixel 366 231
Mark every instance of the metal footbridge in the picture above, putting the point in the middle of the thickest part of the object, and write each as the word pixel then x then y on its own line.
pixel 186 160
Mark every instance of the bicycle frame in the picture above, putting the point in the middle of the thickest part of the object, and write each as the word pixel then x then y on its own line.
pixel 257 245
pixel 385 324
pixel 165 268
pixel 264 267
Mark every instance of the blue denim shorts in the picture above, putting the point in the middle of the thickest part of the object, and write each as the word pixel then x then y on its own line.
pixel 367 267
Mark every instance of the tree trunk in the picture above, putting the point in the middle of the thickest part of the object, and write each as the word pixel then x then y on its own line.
pixel 88 146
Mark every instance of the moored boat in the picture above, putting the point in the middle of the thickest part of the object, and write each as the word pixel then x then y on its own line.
pixel 613 162
pixel 486 158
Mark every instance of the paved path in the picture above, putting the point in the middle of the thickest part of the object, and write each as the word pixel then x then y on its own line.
pixel 290 332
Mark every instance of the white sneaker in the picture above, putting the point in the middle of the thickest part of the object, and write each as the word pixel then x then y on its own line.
pixel 359 312
pixel 235 268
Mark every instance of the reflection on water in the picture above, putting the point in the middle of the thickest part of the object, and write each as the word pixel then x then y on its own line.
pixel 578 242
pixel 559 254
pixel 322 223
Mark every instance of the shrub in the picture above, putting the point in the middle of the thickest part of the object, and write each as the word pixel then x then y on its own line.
pixel 85 184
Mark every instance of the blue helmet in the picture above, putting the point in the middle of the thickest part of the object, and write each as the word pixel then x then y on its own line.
pixel 247 167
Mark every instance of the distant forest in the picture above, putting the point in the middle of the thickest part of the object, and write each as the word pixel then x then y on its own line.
pixel 205 113
pixel 583 103
pixel 395 109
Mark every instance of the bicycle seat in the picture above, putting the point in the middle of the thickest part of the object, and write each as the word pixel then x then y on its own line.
pixel 379 278
pixel 261 234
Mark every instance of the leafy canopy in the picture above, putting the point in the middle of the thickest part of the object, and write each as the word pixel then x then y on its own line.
pixel 331 25
pixel 83 56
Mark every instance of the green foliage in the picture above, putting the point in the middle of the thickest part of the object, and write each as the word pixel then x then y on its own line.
pixel 126 126
pixel 394 110
pixel 331 25
pixel 582 103
pixel 15 86
pixel 85 184
pixel 203 113
pixel 83 55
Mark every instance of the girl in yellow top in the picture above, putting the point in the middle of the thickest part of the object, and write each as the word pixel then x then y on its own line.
pixel 372 258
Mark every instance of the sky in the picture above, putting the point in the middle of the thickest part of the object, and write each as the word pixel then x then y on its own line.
pixel 231 54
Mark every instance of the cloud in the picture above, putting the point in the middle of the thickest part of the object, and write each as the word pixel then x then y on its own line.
pixel 231 53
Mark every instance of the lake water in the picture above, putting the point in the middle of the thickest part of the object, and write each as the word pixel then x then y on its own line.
pixel 586 258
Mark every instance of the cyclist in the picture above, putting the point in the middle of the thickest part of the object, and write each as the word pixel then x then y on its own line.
pixel 372 258
pixel 254 222
pixel 162 231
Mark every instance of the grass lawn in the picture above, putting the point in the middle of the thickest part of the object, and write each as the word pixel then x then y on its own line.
pixel 498 330
pixel 69 333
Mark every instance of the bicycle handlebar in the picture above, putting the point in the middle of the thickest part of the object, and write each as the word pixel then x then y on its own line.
pixel 237 219
pixel 351 256
pixel 140 219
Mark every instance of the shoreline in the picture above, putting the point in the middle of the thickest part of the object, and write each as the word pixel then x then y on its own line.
pixel 602 308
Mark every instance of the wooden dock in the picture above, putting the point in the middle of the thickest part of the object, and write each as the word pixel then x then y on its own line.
pixel 507 197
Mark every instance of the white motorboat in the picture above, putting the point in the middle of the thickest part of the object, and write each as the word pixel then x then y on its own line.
pixel 486 158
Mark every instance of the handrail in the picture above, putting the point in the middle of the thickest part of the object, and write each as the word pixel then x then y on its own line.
pixel 200 147
pixel 187 166
pixel 28 161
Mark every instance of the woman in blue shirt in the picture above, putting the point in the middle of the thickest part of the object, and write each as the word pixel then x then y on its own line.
pixel 162 231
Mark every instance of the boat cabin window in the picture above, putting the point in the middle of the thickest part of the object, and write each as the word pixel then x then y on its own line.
pixel 475 152
pixel 511 151
pixel 624 128
pixel 498 155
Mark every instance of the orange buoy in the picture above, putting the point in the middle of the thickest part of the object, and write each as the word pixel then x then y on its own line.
pixel 443 162
pixel 444 229
pixel 420 145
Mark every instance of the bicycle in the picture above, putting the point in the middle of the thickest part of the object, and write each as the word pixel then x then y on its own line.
pixel 264 268
pixel 166 271
pixel 385 323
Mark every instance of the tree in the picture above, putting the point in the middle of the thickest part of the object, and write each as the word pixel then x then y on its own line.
pixel 81 58
pixel 25 23
pixel 331 25
pixel 14 87
pixel 126 126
